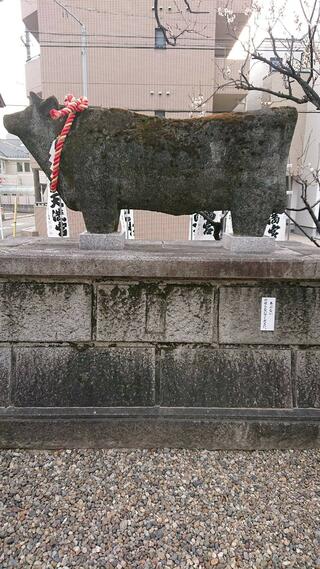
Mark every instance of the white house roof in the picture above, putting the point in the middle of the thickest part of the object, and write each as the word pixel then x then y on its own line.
pixel 13 148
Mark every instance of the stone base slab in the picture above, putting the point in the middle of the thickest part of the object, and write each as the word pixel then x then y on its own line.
pixel 101 241
pixel 246 244
pixel 202 428
pixel 56 257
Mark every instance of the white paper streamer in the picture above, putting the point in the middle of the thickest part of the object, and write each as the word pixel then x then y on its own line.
pixel 57 219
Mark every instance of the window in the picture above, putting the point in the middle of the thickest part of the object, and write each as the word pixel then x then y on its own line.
pixel 159 39
pixel 2 167
pixel 275 61
pixel 160 114
pixel 43 188
pixel 23 167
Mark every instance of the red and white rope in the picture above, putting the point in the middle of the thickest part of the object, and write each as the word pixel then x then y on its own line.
pixel 72 107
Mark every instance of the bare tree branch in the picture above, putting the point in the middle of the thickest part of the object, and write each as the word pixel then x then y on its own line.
pixel 296 59
pixel 189 9
pixel 171 37
pixel 169 40
pixel 244 84
pixel 302 230
pixel 302 208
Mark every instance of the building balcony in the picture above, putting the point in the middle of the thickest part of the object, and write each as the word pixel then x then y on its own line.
pixel 238 6
pixel 225 70
pixel 28 7
pixel 224 40
pixel 29 12
pixel 228 97
pixel 33 75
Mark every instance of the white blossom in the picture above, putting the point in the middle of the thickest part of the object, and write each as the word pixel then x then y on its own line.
pixel 228 14
pixel 197 106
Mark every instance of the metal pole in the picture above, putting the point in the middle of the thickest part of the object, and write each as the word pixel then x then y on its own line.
pixel 1 221
pixel 84 48
pixel 289 200
pixel 84 58
pixel 15 207
pixel 28 48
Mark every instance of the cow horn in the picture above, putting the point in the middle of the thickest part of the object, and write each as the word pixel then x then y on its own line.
pixel 34 98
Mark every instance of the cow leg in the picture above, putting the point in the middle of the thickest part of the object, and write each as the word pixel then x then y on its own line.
pixel 250 223
pixel 251 217
pixel 101 219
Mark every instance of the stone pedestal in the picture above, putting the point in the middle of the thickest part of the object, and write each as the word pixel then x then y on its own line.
pixel 158 344
pixel 101 241
pixel 246 244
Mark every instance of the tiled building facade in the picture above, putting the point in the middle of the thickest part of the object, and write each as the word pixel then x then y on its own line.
pixel 130 66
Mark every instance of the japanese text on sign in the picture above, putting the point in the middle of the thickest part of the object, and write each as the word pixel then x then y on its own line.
pixel 268 312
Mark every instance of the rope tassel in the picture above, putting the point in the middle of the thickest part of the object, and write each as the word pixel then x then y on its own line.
pixel 72 107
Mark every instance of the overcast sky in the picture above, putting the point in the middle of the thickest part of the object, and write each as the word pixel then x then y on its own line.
pixel 12 58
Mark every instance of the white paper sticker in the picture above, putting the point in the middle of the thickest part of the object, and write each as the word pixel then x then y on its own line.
pixel 268 313
pixel 57 218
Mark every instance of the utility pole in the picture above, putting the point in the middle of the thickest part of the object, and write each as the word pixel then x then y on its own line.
pixel 84 49
pixel 26 43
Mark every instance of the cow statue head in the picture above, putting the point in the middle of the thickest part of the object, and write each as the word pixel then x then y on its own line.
pixel 35 127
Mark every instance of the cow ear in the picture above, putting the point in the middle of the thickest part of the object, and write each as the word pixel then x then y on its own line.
pixel 48 104
pixel 34 99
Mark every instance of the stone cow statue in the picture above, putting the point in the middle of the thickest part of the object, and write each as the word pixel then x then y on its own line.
pixel 115 159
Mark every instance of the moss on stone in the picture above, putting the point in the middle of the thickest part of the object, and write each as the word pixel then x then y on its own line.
pixel 115 159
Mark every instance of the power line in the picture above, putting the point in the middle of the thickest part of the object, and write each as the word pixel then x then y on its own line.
pixel 134 36
pixel 129 15
pixel 229 41
pixel 152 84
pixel 106 46
pixel 151 47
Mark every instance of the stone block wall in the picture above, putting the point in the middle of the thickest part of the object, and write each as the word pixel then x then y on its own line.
pixel 138 343
pixel 157 345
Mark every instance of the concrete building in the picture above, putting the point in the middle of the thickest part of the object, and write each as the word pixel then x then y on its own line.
pixel 305 147
pixel 129 65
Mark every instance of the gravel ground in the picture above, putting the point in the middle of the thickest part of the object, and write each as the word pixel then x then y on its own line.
pixel 167 508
